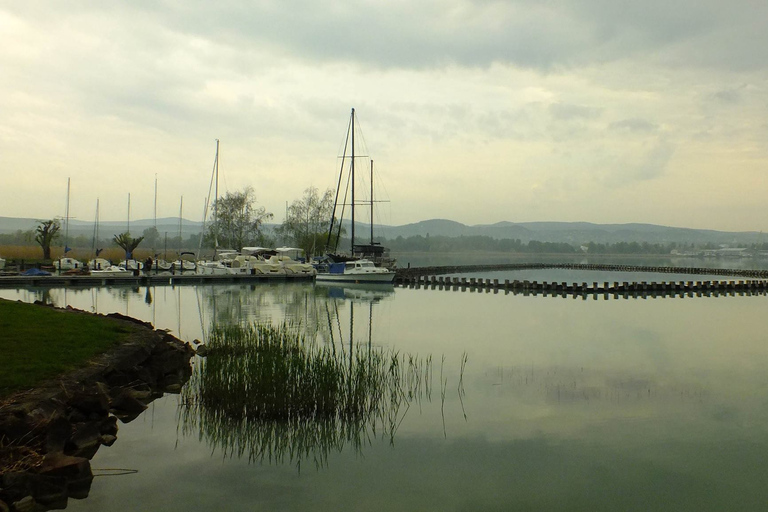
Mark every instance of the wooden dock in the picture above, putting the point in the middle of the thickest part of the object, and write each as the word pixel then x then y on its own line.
pixel 152 279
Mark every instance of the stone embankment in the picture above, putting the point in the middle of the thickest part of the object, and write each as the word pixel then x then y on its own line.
pixel 48 435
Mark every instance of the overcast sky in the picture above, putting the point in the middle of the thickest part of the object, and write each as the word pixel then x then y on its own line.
pixel 479 111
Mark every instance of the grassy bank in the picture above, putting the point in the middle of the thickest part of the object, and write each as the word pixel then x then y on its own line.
pixel 39 343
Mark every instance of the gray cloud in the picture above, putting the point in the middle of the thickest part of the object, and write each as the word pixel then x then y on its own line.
pixel 522 33
pixel 634 125
pixel 567 112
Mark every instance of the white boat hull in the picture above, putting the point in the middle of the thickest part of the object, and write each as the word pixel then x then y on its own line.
pixel 389 277
pixel 112 271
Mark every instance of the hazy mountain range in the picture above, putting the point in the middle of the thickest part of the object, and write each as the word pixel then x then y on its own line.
pixel 574 233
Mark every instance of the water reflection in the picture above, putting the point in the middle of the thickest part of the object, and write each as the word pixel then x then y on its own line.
pixel 271 394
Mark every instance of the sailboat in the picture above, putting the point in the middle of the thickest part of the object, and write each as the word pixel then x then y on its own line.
pixel 181 264
pixel 352 268
pixel 65 263
pixel 218 265
pixel 100 266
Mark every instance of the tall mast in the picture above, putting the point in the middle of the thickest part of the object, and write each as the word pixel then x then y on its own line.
pixel 352 250
pixel 128 229
pixel 154 237
pixel 66 225
pixel 181 208
pixel 96 230
pixel 216 201
pixel 371 201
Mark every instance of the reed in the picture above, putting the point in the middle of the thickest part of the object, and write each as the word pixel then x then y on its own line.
pixel 35 253
pixel 268 393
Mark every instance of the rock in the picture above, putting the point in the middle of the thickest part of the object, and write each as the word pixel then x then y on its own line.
pixel 91 399
pixel 108 426
pixel 58 464
pixel 26 504
pixel 59 432
pixel 108 439
pixel 85 438
pixel 4 507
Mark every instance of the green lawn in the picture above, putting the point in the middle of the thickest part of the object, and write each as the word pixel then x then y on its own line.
pixel 39 343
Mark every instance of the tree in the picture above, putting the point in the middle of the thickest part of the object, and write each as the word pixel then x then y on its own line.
pixel 307 221
pixel 127 243
pixel 47 232
pixel 238 221
pixel 152 236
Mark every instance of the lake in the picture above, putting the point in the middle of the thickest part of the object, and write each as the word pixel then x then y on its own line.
pixel 510 402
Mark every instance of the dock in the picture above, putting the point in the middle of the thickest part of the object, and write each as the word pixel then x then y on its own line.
pixel 141 279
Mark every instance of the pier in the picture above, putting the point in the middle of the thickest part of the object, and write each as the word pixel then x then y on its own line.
pixel 584 290
pixel 404 274
pixel 152 279
pixel 434 278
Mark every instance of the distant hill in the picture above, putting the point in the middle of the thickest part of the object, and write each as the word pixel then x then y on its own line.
pixel 168 225
pixel 574 233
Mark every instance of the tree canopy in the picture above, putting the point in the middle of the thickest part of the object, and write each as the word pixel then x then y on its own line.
pixel 128 243
pixel 307 220
pixel 238 221
pixel 47 232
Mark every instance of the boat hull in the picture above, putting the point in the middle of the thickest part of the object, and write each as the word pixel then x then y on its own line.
pixel 388 277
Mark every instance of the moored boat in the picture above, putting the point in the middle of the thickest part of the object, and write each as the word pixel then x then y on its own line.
pixel 67 263
pixel 356 271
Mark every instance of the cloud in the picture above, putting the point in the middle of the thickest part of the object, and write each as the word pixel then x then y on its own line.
pixel 634 125
pixel 437 33
pixel 567 112
pixel 647 162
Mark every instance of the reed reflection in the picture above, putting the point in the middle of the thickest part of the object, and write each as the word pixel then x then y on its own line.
pixel 271 394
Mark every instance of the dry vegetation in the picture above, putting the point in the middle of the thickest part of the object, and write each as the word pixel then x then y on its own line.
pixel 34 252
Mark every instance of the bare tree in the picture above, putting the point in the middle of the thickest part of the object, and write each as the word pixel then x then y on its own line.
pixel 47 232
pixel 238 221
pixel 307 221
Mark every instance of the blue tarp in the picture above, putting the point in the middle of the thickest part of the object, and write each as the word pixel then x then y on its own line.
pixel 336 268
pixel 35 272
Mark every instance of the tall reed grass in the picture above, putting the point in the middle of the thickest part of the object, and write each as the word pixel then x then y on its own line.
pixel 268 393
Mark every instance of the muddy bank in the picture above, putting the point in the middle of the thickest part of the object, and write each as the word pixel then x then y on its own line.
pixel 48 435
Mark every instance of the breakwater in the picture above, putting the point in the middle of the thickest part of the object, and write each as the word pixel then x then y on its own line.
pixel 404 274
pixel 606 289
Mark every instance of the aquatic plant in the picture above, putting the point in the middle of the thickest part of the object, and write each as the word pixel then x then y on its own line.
pixel 269 393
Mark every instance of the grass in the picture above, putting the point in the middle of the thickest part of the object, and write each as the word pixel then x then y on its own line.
pixel 38 343
pixel 267 393
pixel 34 253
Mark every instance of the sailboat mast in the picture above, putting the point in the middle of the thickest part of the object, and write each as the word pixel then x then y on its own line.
pixel 66 225
pixel 216 202
pixel 371 201
pixel 96 230
pixel 352 205
pixel 181 208
pixel 154 236
pixel 128 229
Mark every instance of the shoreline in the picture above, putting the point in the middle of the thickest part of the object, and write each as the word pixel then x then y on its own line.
pixel 49 433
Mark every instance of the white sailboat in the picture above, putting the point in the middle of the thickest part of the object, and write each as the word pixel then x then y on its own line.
pixel 221 262
pixel 65 263
pixel 351 268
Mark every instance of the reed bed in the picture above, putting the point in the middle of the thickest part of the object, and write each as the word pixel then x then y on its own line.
pixel 35 253
pixel 268 393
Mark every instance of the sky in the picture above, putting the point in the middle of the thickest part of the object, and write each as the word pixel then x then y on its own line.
pixel 477 111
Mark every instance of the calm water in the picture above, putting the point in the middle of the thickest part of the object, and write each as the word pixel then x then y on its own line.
pixel 655 404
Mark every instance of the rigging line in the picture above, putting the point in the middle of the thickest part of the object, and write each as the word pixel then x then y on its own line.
pixel 338 187
pixel 343 207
